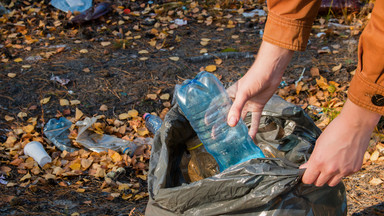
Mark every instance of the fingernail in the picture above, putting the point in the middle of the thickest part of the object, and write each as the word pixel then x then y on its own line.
pixel 232 121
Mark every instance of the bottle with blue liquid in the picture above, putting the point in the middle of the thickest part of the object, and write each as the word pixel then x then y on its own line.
pixel 206 104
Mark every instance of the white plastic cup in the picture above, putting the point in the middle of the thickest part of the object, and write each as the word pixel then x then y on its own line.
pixel 36 150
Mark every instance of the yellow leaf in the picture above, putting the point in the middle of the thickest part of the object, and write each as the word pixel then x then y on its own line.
pixel 144 177
pixel 165 96
pixel 8 118
pixel 336 68
pixel 29 128
pixel 105 43
pixel 124 187
pixel 142 131
pixel 126 196
pixel 75 102
pixel 299 87
pixel 11 75
pixel 123 116
pixel 86 163
pixel 18 60
pixel 64 102
pixel 322 83
pixel 75 166
pixel 116 157
pixel 22 114
pixel 80 190
pixel 45 100
pixel 78 114
pixel 218 61
pixel 210 68
pixel 27 176
pixel 84 51
pixel 152 96
pixel 133 113
pixel 175 58
pixel 143 52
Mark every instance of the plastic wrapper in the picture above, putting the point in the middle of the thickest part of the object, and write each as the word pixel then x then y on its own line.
pixel 57 132
pixel 101 142
pixel 266 186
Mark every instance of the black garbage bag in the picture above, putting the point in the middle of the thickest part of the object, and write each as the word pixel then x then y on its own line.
pixel 268 186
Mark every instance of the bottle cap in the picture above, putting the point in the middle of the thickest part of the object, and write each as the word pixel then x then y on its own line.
pixel 146 115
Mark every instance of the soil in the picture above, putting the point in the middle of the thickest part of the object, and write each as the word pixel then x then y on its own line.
pixel 117 77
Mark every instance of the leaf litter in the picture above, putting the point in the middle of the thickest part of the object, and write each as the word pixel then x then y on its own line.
pixel 154 34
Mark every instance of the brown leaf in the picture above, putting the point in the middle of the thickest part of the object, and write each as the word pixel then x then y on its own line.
pixel 27 176
pixel 86 163
pixel 315 72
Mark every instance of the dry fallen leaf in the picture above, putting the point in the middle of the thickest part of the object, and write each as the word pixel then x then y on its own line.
pixel 64 102
pixel 22 114
pixel 27 176
pixel 203 51
pixel 143 52
pixel 18 60
pixel 375 181
pixel 80 190
pixel 75 102
pixel 133 113
pixel 210 68
pixel 174 58
pixel 315 72
pixel 218 61
pixel 152 96
pixel 8 118
pixel 103 107
pixel 78 114
pixel 336 68
pixel 123 116
pixel 45 100
pixel 105 43
pixel 11 75
pixel 84 51
pixel 165 96
pixel 374 156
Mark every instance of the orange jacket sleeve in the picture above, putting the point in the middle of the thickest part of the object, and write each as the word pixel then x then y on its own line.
pixel 290 22
pixel 367 86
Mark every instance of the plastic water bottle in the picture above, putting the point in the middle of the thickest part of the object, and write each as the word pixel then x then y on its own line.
pixel 152 122
pixel 72 5
pixel 206 104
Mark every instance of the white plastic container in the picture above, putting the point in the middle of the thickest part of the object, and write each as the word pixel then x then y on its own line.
pixel 36 150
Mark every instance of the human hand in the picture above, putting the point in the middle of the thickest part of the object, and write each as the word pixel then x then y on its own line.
pixel 339 151
pixel 257 86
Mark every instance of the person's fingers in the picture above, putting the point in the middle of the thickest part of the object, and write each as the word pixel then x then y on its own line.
pixel 255 121
pixel 236 109
pixel 310 175
pixel 304 166
pixel 231 91
pixel 322 179
pixel 334 180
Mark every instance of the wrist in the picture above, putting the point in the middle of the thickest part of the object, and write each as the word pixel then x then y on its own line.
pixel 359 116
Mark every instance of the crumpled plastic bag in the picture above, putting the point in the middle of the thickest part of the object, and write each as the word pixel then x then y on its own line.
pixel 101 142
pixel 266 186
pixel 57 132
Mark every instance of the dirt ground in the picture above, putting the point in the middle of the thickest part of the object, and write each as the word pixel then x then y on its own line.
pixel 118 77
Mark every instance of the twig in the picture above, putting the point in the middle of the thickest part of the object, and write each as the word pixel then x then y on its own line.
pixel 224 55
pixel 9 98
